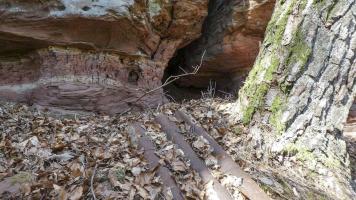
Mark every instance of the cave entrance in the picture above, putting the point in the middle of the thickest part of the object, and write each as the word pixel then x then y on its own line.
pixel 231 37
pixel 203 84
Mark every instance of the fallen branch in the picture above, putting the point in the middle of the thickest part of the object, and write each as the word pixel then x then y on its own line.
pixel 171 79
pixel 92 181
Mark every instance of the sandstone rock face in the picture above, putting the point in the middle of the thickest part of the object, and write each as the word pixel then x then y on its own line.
pixel 231 36
pixel 106 55
pixel 92 55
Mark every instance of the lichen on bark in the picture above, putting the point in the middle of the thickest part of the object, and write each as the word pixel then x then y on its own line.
pixel 301 87
pixel 271 59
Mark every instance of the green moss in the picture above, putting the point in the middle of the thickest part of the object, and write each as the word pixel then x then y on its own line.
pixel 331 10
pixel 305 155
pixel 298 55
pixel 291 149
pixel 276 27
pixel 277 108
pixel 154 7
pixel 238 130
pixel 303 4
pixel 312 195
pixel 331 162
pixel 263 73
pixel 318 2
pixel 120 174
pixel 301 153
pixel 21 177
pixel 272 68
pixel 299 51
pixel 256 97
pixel 266 188
pixel 285 88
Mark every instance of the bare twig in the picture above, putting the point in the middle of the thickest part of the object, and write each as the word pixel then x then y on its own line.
pixel 228 95
pixel 92 182
pixel 210 93
pixel 171 98
pixel 182 69
pixel 171 79
pixel 123 113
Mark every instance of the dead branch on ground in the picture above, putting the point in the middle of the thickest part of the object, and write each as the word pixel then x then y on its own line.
pixel 92 182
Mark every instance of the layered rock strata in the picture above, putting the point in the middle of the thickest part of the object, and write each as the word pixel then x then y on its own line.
pixel 101 56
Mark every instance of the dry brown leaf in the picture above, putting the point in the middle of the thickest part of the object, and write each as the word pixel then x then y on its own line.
pixel 179 166
pixel 76 194
pixel 145 178
pixel 153 191
pixel 142 192
pixel 58 147
pixel 75 169
pixel 132 193
pixel 62 194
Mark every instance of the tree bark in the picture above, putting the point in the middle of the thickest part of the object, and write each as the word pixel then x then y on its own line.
pixel 297 96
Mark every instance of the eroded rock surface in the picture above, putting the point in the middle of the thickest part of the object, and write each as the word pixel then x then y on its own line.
pixel 78 41
pixel 92 55
pixel 231 36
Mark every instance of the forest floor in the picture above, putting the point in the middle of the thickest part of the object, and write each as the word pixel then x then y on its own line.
pixel 44 156
pixel 94 157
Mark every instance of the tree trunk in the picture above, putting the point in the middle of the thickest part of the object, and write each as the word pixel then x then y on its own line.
pixel 297 97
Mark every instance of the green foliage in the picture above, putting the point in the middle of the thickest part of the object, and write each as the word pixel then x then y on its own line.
pixel 120 174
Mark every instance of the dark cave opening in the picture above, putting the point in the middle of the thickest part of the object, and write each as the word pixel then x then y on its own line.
pixel 231 39
pixel 208 81
pixel 194 86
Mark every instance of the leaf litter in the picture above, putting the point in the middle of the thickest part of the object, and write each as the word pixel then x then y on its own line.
pixel 59 154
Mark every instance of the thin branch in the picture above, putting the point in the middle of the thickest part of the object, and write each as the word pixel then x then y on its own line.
pixel 92 182
pixel 182 69
pixel 171 79
pixel 123 113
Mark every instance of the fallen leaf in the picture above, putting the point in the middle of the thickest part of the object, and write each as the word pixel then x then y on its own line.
pixel 179 166
pixel 62 194
pixel 76 194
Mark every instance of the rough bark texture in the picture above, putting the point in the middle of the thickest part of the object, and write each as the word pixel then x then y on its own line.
pixel 298 95
pixel 92 55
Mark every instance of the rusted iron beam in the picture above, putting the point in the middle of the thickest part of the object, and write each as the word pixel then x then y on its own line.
pixel 228 166
pixel 137 135
pixel 172 131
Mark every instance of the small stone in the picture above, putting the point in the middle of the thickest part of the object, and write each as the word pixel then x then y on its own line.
pixel 266 181
pixel 210 114
pixel 136 171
